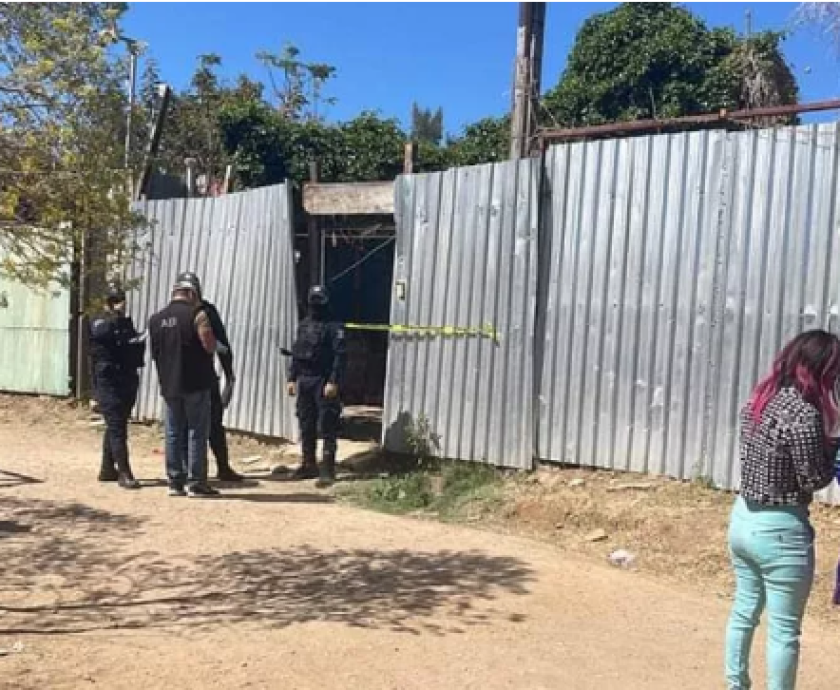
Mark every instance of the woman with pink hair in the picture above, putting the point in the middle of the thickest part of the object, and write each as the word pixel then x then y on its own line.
pixel 787 453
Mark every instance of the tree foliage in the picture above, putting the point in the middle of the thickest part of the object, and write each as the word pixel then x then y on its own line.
pixel 658 60
pixel 297 86
pixel 61 137
pixel 485 141
pixel 426 125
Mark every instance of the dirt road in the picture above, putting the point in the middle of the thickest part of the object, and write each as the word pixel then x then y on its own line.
pixel 277 586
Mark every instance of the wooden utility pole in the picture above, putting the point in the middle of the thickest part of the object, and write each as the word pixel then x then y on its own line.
pixel 410 158
pixel 527 77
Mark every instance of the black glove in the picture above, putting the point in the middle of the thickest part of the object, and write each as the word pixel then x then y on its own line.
pixel 227 394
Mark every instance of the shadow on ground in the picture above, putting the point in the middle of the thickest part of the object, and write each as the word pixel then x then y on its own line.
pixel 63 572
pixel 10 479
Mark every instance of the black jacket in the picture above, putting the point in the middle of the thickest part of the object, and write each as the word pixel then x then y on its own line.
pixel 319 350
pixel 115 351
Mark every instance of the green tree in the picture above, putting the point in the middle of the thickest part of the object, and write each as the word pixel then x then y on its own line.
pixel 297 86
pixel 372 149
pixel 485 141
pixel 267 147
pixel 657 60
pixel 61 139
pixel 426 125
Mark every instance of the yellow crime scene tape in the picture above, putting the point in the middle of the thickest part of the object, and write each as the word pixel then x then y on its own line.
pixel 486 331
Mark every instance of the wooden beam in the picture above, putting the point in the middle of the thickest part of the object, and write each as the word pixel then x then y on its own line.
pixel 410 158
pixel 349 199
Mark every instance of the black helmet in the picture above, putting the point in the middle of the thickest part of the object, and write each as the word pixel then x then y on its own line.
pixel 115 294
pixel 318 296
pixel 187 280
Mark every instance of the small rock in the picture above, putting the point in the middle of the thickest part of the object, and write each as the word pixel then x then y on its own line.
pixel 559 525
pixel 16 648
pixel 622 558
pixel 597 535
pixel 576 482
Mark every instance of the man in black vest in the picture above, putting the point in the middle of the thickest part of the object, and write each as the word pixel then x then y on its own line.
pixel 315 377
pixel 116 352
pixel 219 399
pixel 183 346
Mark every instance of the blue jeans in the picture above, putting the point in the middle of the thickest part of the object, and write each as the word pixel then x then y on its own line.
pixel 187 431
pixel 772 550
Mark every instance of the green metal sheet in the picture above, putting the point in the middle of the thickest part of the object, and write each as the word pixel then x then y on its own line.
pixel 34 339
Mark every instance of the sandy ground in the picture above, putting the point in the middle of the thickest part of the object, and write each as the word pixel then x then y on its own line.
pixel 277 586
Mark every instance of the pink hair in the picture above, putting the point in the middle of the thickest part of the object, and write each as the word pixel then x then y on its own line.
pixel 810 363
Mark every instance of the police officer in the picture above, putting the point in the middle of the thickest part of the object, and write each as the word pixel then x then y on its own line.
pixel 219 399
pixel 315 377
pixel 117 352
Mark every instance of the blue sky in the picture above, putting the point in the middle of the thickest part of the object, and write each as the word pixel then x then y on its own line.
pixel 455 55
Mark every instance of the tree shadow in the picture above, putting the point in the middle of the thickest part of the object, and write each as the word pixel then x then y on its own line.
pixel 278 498
pixel 12 527
pixel 9 479
pixel 70 574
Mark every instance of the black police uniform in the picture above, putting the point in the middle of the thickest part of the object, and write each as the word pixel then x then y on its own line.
pixel 218 437
pixel 318 358
pixel 116 355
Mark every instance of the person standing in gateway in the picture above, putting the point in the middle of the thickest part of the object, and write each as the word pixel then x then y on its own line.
pixel 316 375
pixel 183 347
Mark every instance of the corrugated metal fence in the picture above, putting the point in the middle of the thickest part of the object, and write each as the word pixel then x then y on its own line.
pixel 679 266
pixel 465 256
pixel 240 245
pixel 671 269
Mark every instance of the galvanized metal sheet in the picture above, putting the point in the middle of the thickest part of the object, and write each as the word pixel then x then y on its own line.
pixel 673 268
pixel 34 339
pixel 240 245
pixel 466 256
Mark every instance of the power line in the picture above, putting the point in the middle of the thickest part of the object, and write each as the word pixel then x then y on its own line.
pixel 363 259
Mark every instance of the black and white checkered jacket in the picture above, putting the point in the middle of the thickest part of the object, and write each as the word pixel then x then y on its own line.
pixel 785 458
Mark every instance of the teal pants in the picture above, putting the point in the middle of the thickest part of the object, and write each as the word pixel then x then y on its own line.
pixel 772 551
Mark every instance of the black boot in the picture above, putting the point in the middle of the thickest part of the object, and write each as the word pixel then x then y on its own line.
pixel 218 444
pixel 107 469
pixel 126 477
pixel 308 469
pixel 108 474
pixel 126 481
pixel 227 474
pixel 326 476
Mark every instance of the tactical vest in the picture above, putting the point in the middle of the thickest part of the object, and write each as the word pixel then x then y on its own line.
pixel 312 349
pixel 183 365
